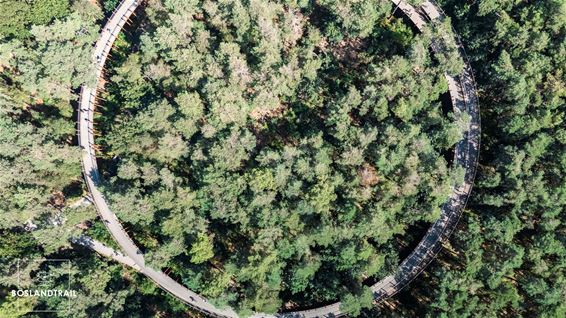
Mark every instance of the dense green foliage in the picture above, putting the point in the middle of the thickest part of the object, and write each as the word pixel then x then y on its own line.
pixel 275 154
pixel 508 258
pixel 37 159
pixel 272 152
pixel 39 164
pixel 16 16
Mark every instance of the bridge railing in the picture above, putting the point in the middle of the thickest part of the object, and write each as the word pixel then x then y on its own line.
pixel 114 31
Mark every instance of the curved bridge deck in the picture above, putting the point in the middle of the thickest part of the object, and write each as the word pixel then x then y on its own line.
pixel 464 100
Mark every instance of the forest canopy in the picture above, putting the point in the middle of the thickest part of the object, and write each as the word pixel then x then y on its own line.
pixel 272 152
pixel 279 155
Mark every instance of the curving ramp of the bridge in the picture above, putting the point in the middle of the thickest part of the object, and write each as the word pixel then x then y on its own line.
pixel 86 133
pixel 464 100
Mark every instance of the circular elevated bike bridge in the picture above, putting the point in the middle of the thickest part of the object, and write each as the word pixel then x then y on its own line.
pixel 464 99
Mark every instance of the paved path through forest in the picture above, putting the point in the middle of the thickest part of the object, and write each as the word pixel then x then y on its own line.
pixel 464 100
